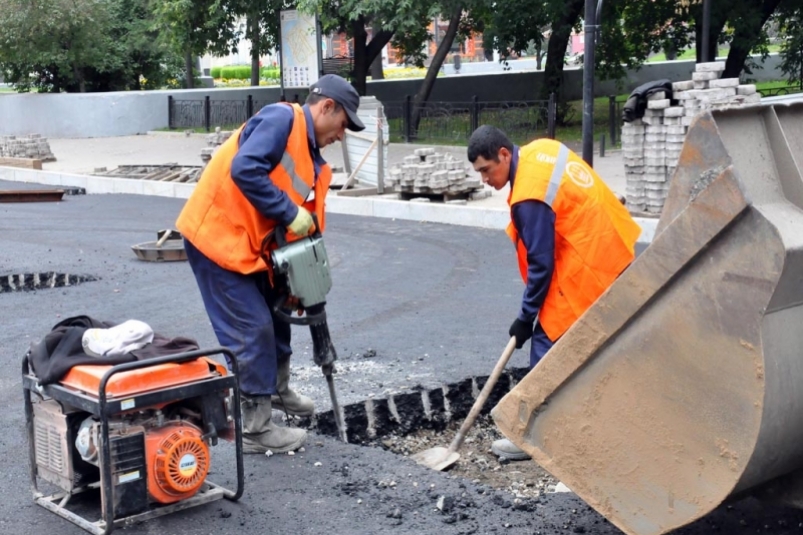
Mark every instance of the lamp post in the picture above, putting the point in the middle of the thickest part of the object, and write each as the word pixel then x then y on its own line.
pixel 706 31
pixel 590 27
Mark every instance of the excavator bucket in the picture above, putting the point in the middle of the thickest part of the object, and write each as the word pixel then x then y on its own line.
pixel 682 385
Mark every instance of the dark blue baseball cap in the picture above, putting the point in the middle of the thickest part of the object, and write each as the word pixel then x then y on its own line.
pixel 342 92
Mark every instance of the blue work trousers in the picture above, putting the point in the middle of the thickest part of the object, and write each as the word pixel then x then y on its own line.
pixel 539 345
pixel 239 307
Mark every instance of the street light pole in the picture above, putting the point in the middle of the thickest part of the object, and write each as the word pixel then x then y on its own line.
pixel 589 25
pixel 706 33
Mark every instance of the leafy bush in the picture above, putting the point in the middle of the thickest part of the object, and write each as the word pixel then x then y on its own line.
pixel 231 75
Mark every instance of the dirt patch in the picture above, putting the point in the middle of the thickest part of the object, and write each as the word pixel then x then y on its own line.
pixel 522 479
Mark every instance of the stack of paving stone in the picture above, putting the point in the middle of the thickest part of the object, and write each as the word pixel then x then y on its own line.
pixel 33 146
pixel 428 172
pixel 651 145
pixel 214 140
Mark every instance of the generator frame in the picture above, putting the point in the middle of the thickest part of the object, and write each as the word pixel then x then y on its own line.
pixel 102 408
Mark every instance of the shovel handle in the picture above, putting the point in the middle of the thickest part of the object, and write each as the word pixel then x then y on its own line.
pixel 484 393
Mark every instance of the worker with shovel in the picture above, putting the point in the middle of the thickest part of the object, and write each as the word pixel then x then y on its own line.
pixel 572 235
pixel 269 173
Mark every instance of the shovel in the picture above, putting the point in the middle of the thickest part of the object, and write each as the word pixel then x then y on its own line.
pixel 440 458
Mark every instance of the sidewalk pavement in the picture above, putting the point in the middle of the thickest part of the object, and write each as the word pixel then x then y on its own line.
pixel 77 158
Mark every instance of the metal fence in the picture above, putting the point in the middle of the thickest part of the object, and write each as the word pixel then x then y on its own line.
pixel 455 121
pixel 438 121
pixel 781 90
pixel 210 113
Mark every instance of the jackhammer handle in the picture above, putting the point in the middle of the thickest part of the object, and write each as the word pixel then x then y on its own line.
pixel 483 397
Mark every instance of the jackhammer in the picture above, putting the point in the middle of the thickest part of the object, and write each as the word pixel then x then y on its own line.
pixel 302 279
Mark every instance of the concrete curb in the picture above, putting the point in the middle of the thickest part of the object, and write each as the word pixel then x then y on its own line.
pixel 470 216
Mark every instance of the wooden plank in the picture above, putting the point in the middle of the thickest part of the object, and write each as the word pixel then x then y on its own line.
pixel 27 163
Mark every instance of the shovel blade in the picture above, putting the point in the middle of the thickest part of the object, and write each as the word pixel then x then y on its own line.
pixel 438 458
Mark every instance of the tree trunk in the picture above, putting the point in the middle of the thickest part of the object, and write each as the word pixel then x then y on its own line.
pixel 556 49
pixel 435 66
pixel 539 54
pixel 365 52
pixel 718 21
pixel 361 63
pixel 377 73
pixel 188 67
pixel 79 77
pixel 253 36
pixel 745 39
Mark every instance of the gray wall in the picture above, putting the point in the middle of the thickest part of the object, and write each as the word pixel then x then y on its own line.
pixel 72 115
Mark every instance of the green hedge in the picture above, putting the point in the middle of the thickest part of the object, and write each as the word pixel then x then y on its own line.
pixel 243 72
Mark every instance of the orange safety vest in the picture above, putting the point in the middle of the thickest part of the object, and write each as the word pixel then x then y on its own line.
pixel 595 236
pixel 220 221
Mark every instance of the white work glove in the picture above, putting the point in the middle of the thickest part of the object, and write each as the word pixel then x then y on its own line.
pixel 302 224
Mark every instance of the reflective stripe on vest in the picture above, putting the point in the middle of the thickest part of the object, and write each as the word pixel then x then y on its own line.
pixel 557 175
pixel 299 185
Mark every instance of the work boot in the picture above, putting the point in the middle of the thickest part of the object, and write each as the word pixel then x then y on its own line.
pixel 507 450
pixel 287 400
pixel 260 434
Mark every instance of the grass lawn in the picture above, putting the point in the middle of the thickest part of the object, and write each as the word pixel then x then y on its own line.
pixel 691 53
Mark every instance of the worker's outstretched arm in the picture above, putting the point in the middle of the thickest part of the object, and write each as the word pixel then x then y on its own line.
pixel 535 222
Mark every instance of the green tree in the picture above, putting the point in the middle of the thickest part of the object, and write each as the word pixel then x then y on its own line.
pixel 791 24
pixel 195 27
pixel 86 45
pixel 52 44
pixel 384 18
pixel 261 27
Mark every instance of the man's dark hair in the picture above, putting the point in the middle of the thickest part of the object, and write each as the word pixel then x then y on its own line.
pixel 314 98
pixel 486 142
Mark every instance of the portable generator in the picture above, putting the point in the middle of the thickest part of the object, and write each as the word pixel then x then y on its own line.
pixel 138 432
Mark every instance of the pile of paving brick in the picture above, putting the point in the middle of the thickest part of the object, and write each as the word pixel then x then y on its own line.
pixel 428 172
pixel 33 146
pixel 651 145
pixel 214 140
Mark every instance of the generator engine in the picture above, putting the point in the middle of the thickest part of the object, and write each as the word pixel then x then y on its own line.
pixel 176 455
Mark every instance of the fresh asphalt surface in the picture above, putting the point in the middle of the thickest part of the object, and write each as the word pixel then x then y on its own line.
pixel 432 301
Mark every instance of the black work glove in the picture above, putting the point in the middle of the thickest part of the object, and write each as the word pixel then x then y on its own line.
pixel 522 330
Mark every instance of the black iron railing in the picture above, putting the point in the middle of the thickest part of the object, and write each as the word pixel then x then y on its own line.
pixel 455 121
pixel 436 121
pixel 208 113
pixel 780 90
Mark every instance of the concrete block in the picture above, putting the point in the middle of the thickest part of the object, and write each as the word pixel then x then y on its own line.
pixel 681 86
pixel 724 82
pixel 658 95
pixel 658 104
pixel 713 66
pixel 673 111
pixel 704 76
pixel 746 89
pixel 635 127
pixel 700 85
pixel 675 130
pixel 675 138
pixel 755 97
pixel 655 161
pixel 412 159
pixel 655 138
pixel 686 121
